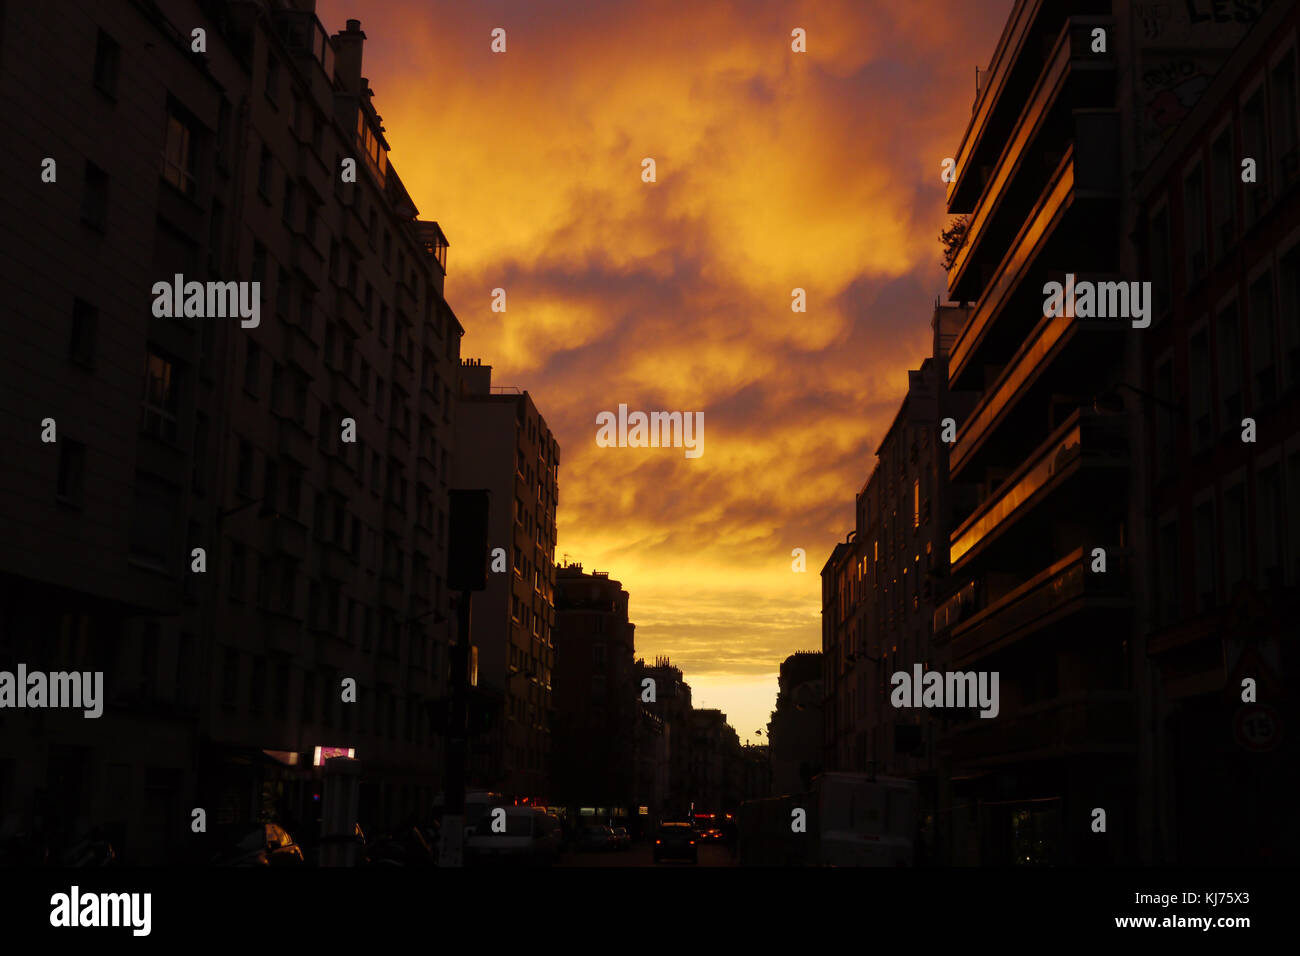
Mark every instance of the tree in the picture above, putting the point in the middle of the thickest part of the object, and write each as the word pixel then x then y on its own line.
pixel 952 239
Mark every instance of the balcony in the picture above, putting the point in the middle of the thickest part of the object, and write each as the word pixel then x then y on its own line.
pixel 1093 722
pixel 288 536
pixel 298 349
pixel 394 514
pixel 1015 64
pixel 1059 357
pixel 1058 233
pixel 1074 77
pixel 343 391
pixel 296 442
pixel 1086 441
pixel 336 563
pixel 990 622
pixel 340 476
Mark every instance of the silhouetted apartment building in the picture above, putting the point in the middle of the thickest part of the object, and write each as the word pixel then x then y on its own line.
pixel 672 705
pixel 594 739
pixel 1049 507
pixel 321 558
pixel 1224 346
pixel 880 587
pixel 503 445
pixel 717 769
pixel 795 732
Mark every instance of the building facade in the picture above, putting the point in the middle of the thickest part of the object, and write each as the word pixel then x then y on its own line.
pixel 236 515
pixel 1222 356
pixel 503 445
pixel 597 702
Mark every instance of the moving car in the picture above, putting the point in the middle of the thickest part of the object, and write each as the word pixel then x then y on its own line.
pixel 676 841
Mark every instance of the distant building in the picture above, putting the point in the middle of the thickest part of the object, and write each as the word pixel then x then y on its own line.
pixel 597 703
pixel 881 587
pixel 672 705
pixel 795 733
pixel 503 445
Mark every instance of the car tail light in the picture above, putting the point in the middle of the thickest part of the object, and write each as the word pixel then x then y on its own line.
pixel 692 843
pixel 657 842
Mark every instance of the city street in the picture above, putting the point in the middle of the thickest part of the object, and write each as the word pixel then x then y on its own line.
pixel 640 854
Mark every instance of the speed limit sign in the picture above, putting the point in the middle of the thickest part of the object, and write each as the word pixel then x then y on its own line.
pixel 1257 727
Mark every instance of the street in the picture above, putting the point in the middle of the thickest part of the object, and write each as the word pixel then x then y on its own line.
pixel 641 854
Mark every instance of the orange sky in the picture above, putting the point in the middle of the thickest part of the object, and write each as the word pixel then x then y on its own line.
pixel 775 170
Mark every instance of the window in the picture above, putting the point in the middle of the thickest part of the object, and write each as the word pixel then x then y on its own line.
pixel 1164 417
pixel 160 402
pixel 1234 536
pixel 1268 525
pixel 1162 277
pixel 229 677
pixel 72 472
pixel 264 174
pixel 283 293
pixel 179 154
pixel 259 264
pixel 94 198
pixel 244 469
pixel 1229 348
pixel 1288 277
pixel 81 345
pixel 1199 389
pixel 290 199
pixel 252 367
pixel 1225 173
pixel 1254 135
pixel 153 520
pixel 1203 518
pixel 235 584
pixel 1283 101
pixel 270 486
pixel 106 61
pixel 1263 336
pixel 272 77
pixel 916 503
pixel 1194 222
pixel 1169 604
pixel 257 686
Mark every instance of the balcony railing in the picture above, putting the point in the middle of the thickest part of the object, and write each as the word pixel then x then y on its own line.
pixel 1085 438
pixel 1086 171
pixel 1067 586
pixel 1036 357
pixel 1088 722
pixel 1060 85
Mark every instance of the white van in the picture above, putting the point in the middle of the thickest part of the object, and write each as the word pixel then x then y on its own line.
pixel 518 835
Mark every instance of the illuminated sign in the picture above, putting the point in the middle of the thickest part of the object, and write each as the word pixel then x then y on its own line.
pixel 324 753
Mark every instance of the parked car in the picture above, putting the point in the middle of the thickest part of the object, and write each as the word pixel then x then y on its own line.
pixel 597 837
pixel 622 839
pixel 523 836
pixel 408 847
pixel 676 841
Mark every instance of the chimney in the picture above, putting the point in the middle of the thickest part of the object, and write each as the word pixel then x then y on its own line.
pixel 347 56
pixel 475 377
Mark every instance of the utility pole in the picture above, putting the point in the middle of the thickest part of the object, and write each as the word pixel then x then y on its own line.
pixel 467 554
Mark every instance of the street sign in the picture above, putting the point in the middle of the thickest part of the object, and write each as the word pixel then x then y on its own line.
pixel 1257 727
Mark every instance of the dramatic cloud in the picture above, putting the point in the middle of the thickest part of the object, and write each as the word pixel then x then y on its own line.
pixel 775 170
